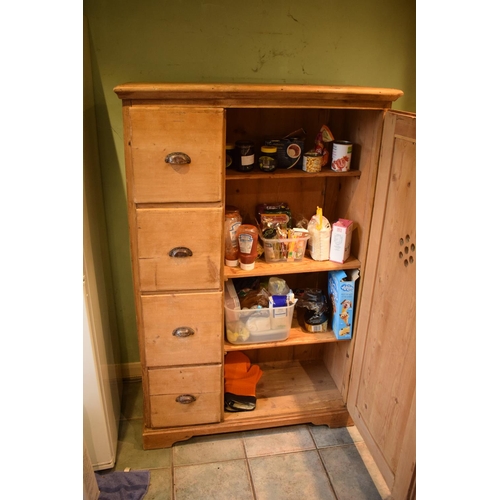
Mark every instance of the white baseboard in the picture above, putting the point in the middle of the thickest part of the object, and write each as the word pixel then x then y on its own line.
pixel 131 370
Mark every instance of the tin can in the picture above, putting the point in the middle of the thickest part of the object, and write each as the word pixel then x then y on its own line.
pixel 341 156
pixel 245 156
pixel 312 162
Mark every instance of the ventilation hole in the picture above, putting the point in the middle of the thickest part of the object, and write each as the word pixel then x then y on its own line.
pixel 407 238
pixel 412 247
pixel 406 250
pixel 401 242
pixel 411 260
pixel 406 262
pixel 400 255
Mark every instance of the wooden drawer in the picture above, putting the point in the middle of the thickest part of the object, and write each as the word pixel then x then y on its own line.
pixel 162 230
pixel 183 329
pixel 157 131
pixel 201 386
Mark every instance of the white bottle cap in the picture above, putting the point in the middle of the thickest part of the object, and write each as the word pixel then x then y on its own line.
pixel 231 263
pixel 247 267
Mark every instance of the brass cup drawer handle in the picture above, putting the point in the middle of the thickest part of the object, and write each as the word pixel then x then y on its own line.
pixel 183 331
pixel 185 399
pixel 177 158
pixel 180 252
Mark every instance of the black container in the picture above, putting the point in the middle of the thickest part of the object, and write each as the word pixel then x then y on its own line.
pixel 244 155
pixel 312 310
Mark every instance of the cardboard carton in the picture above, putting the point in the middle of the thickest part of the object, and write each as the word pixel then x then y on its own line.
pixel 341 292
pixel 340 242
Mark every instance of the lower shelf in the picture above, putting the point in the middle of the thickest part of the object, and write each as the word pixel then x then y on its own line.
pixel 288 393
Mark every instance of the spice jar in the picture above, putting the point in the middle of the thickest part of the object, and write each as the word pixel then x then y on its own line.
pixel 245 155
pixel 312 162
pixel 267 159
pixel 230 151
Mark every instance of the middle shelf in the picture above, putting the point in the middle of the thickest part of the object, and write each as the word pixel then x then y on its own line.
pixel 306 265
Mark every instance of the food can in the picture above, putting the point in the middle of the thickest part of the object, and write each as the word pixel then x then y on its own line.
pixel 312 162
pixel 341 156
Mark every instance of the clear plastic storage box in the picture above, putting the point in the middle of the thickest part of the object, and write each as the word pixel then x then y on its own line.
pixel 249 326
pixel 285 250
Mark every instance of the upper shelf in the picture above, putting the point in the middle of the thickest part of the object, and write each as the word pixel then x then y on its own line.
pixel 233 175
pixel 241 95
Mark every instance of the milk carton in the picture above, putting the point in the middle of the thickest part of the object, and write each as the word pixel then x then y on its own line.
pixel 340 242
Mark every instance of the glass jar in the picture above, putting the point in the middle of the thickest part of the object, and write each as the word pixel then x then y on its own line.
pixel 267 159
pixel 230 150
pixel 245 155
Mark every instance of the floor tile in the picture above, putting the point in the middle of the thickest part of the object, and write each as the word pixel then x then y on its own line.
pixel 291 476
pixel 279 440
pixel 206 449
pixel 350 478
pixel 132 399
pixel 324 436
pixel 130 452
pixel 160 485
pixel 214 481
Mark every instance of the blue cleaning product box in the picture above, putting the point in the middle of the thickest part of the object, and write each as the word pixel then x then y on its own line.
pixel 341 292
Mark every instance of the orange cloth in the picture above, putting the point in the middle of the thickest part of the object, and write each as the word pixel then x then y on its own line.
pixel 240 377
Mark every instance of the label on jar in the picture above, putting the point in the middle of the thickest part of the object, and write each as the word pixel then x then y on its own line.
pixel 316 328
pixel 248 160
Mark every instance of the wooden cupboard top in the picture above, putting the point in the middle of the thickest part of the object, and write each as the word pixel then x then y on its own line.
pixel 260 95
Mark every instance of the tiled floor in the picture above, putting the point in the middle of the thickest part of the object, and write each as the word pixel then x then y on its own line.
pixel 303 462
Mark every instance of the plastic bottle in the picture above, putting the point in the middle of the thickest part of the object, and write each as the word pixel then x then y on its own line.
pixel 232 222
pixel 247 236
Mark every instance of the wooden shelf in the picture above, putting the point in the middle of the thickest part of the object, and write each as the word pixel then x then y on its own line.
pixel 288 393
pixel 306 265
pixel 297 336
pixel 233 175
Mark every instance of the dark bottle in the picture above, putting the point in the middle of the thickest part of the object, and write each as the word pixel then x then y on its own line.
pixel 245 155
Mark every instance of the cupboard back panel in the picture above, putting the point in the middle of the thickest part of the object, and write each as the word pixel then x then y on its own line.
pixel 246 194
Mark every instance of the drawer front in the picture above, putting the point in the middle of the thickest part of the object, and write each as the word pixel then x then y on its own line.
pixel 158 131
pixel 185 396
pixel 183 329
pixel 166 235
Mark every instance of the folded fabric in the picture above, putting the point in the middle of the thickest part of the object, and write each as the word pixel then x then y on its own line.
pixel 119 485
pixel 240 382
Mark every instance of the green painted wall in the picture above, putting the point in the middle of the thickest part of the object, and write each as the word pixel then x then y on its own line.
pixel 330 42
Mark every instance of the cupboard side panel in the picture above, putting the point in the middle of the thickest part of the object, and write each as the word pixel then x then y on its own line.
pixel 352 198
pixel 132 222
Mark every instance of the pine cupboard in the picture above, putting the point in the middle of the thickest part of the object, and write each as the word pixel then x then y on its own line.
pixel 177 188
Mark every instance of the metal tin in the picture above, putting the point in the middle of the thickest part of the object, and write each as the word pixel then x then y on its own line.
pixel 245 155
pixel 312 162
pixel 341 156
pixel 289 151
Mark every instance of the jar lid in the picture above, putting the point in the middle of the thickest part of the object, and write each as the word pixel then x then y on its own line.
pixel 231 263
pixel 229 145
pixel 312 154
pixel 269 149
